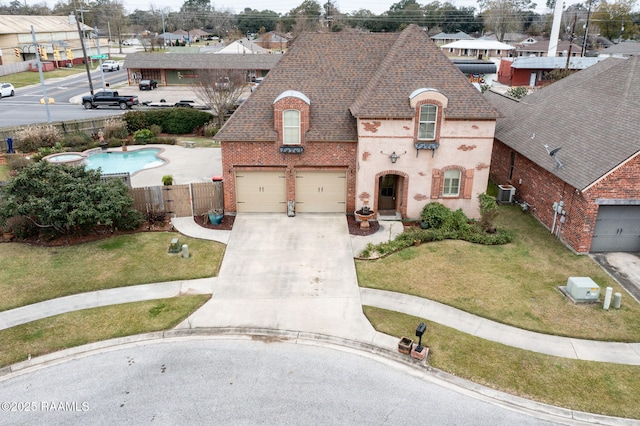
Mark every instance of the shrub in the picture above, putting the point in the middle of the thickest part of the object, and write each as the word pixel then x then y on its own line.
pixel 142 136
pixel 78 141
pixel 488 212
pixel 174 121
pixel 136 120
pixel 43 152
pixel 164 140
pixel 115 128
pixel 210 129
pixel 17 162
pixel 32 138
pixel 155 129
pixel 434 214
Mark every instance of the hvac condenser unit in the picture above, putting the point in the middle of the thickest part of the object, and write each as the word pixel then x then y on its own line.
pixel 505 193
pixel 583 289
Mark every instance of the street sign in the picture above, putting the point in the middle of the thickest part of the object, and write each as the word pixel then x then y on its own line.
pixel 99 56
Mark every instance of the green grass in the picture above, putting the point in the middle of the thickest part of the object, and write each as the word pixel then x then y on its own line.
pixel 200 142
pixel 4 173
pixel 27 78
pixel 31 274
pixel 594 387
pixel 92 325
pixel 514 284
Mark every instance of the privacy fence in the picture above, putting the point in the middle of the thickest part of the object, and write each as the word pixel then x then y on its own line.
pixel 179 200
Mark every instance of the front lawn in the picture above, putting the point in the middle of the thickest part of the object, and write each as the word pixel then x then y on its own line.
pixel 93 325
pixel 593 387
pixel 31 274
pixel 515 284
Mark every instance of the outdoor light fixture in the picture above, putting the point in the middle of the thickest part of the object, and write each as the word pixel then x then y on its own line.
pixel 393 156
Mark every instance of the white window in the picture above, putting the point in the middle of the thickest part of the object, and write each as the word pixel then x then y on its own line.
pixel 427 125
pixel 291 127
pixel 451 183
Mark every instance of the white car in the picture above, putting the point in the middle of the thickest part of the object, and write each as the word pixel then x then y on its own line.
pixel 7 89
pixel 110 65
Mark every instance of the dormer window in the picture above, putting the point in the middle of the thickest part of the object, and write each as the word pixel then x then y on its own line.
pixel 291 127
pixel 427 122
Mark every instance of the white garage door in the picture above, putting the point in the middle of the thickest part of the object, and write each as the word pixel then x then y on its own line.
pixel 617 229
pixel 321 192
pixel 261 192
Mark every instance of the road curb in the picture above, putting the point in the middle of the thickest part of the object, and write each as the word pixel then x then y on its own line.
pixel 418 368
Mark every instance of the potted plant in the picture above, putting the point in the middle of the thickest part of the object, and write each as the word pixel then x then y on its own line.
pixel 215 216
pixel 167 180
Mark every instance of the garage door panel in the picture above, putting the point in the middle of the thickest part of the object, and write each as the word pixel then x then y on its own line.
pixel 617 229
pixel 321 192
pixel 261 192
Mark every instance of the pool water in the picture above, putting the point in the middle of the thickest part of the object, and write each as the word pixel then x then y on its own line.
pixel 122 162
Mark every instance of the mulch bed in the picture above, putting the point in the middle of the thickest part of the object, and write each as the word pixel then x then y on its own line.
pixel 225 225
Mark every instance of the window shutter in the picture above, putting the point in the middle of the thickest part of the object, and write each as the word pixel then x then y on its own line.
pixel 436 183
pixel 468 183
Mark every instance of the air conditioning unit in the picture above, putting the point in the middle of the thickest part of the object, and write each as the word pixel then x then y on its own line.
pixel 505 193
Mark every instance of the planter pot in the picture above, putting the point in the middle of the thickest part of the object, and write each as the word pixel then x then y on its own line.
pixel 405 345
pixel 215 219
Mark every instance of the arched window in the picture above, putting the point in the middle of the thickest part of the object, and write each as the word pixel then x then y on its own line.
pixel 291 127
pixel 427 122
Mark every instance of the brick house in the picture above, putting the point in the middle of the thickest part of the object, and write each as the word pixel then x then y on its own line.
pixel 344 118
pixel 596 172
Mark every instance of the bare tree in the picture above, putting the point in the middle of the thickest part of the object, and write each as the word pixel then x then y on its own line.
pixel 220 89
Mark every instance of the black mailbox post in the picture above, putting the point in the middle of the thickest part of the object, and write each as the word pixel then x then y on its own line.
pixel 422 327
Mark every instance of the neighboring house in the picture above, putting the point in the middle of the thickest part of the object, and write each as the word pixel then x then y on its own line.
pixel 319 135
pixel 624 49
pixel 445 38
pixel 534 46
pixel 481 49
pixel 243 46
pixel 534 71
pixel 182 68
pixel 595 173
pixel 478 71
pixel 272 41
pixel 56 35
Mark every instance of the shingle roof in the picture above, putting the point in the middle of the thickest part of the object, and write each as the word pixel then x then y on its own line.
pixel 349 75
pixel 595 136
pixel 196 61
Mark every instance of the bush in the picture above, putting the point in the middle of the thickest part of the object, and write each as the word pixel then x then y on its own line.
pixel 434 214
pixel 142 136
pixel 32 138
pixel 115 128
pixel 163 140
pixel 43 152
pixel 17 162
pixel 174 121
pixel 155 129
pixel 488 212
pixel 78 141
pixel 210 129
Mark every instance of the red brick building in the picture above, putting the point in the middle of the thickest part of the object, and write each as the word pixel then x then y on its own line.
pixel 595 167
pixel 346 119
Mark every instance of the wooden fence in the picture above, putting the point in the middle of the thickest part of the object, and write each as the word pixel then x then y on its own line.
pixel 179 200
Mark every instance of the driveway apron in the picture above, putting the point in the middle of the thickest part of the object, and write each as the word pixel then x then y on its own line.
pixel 287 273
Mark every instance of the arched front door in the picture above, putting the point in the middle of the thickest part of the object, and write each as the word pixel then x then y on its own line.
pixel 388 195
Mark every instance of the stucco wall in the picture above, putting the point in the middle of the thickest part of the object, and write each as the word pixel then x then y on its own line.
pixel 464 144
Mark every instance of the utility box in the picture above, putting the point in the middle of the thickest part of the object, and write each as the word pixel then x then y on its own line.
pixel 583 289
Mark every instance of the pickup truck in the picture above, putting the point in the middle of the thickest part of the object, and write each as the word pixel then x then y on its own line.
pixel 109 98
pixel 110 65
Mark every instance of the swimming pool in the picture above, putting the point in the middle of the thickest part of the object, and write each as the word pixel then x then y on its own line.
pixel 122 162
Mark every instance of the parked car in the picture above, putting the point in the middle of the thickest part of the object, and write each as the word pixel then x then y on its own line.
pixel 256 83
pixel 110 65
pixel 148 85
pixel 7 89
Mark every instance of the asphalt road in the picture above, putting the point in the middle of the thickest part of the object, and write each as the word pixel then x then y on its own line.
pixel 240 382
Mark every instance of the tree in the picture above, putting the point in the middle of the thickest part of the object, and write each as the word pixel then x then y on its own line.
pixel 614 19
pixel 220 89
pixel 250 21
pixel 59 200
pixel 503 16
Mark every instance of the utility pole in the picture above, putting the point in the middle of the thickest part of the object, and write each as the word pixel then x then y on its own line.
pixel 44 88
pixel 571 37
pixel 586 31
pixel 84 51
pixel 98 47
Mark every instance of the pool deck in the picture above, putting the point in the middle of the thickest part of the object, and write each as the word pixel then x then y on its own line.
pixel 186 165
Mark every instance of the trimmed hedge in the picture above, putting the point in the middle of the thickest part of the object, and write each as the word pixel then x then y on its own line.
pixel 175 121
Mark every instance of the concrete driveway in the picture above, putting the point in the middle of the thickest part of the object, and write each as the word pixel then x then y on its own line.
pixel 288 273
pixel 624 268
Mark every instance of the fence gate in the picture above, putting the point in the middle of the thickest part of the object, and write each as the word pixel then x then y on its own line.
pixel 177 200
